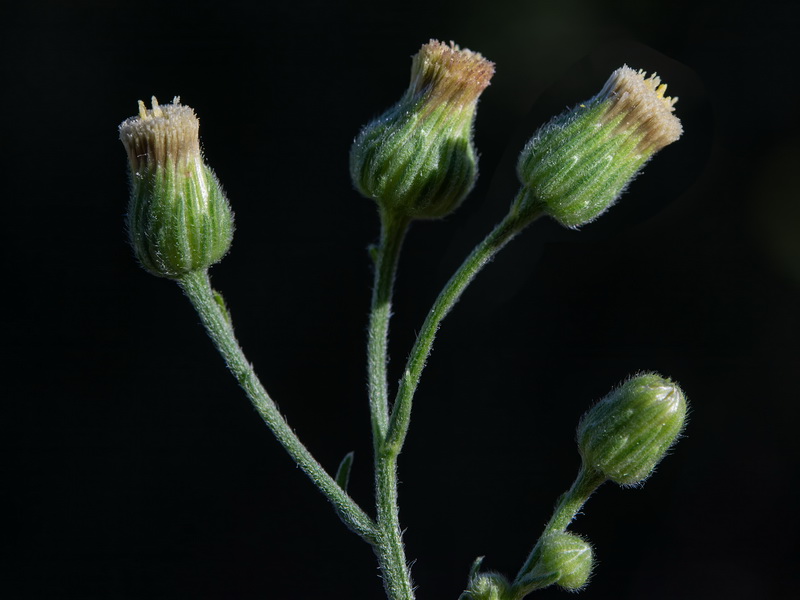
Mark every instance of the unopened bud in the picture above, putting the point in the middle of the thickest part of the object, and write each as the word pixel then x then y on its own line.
pixel 627 433
pixel 488 586
pixel 578 165
pixel 178 218
pixel 418 158
pixel 568 557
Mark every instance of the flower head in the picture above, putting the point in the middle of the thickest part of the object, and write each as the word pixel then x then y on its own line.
pixel 578 165
pixel 417 159
pixel 179 220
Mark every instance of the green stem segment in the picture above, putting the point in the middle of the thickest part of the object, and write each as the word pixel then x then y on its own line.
pixel 568 506
pixel 393 232
pixel 198 289
pixel 389 549
pixel 570 503
pixel 479 258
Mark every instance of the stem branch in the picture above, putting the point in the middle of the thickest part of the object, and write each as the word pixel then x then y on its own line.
pixel 393 232
pixel 568 506
pixel 198 289
pixel 479 258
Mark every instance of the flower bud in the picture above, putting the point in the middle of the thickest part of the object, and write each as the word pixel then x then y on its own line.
pixel 568 556
pixel 418 158
pixel 488 586
pixel 179 220
pixel 577 165
pixel 627 433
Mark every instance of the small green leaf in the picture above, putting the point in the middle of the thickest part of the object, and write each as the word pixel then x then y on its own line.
pixel 343 472
pixel 223 307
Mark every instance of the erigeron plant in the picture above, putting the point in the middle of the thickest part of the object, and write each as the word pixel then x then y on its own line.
pixel 418 161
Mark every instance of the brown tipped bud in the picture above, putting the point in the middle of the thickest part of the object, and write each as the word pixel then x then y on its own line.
pixel 178 217
pixel 576 167
pixel 443 73
pixel 417 159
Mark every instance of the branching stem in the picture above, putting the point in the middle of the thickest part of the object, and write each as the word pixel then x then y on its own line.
pixel 389 427
pixel 389 435
pixel 479 258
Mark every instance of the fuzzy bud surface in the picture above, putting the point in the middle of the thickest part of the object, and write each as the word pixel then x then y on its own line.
pixel 627 433
pixel 418 158
pixel 568 556
pixel 577 165
pixel 179 220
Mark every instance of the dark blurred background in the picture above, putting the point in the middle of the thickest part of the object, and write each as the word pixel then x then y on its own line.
pixel 132 465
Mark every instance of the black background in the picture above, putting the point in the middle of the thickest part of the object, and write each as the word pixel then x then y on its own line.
pixel 133 467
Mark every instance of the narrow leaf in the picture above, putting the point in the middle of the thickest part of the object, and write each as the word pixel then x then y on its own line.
pixel 343 473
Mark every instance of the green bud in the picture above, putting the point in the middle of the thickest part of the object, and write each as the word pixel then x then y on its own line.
pixel 179 220
pixel 418 158
pixel 488 586
pixel 578 165
pixel 627 433
pixel 566 555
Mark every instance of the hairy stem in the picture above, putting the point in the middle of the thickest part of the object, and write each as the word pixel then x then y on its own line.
pixel 569 504
pixel 479 258
pixel 393 231
pixel 389 549
pixel 198 289
pixel 391 556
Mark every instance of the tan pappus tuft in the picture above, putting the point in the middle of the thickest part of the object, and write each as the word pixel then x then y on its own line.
pixel 446 73
pixel 646 110
pixel 169 131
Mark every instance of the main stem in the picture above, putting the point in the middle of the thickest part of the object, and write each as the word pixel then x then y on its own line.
pixel 198 289
pixel 389 548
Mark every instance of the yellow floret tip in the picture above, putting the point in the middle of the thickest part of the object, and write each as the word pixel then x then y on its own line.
pixel 156 108
pixel 638 104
